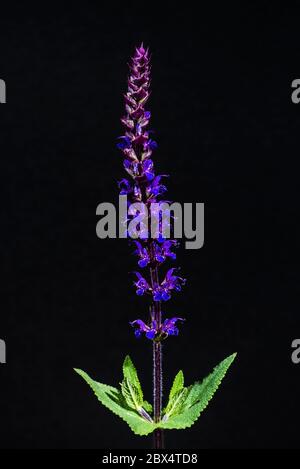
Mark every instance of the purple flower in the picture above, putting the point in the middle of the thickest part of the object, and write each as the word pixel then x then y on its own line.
pixel 124 143
pixel 167 246
pixel 130 154
pixel 140 327
pixel 152 331
pixel 164 250
pixel 158 253
pixel 124 186
pixel 132 167
pixel 173 282
pixel 129 124
pixel 170 282
pixel 137 193
pixel 142 286
pixel 147 167
pixel 143 255
pixel 155 188
pixel 169 326
pixel 150 144
pixel 161 294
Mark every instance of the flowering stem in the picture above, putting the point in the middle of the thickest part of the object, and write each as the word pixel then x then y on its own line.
pixel 146 188
pixel 158 441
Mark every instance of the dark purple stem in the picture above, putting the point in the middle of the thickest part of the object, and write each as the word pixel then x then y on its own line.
pixel 158 440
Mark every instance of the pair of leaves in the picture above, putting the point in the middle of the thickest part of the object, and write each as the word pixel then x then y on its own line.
pixel 184 406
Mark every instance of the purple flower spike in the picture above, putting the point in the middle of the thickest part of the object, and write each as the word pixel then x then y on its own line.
pixel 144 185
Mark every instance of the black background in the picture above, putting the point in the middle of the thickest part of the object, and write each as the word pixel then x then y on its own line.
pixel 228 136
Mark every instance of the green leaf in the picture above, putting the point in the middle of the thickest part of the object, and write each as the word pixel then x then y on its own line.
pixel 131 376
pixel 175 405
pixel 184 406
pixel 176 397
pixel 197 398
pixel 113 399
pixel 131 386
pixel 147 406
pixel 177 385
pixel 131 394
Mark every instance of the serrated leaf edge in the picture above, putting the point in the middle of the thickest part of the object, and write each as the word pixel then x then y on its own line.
pixel 230 359
pixel 173 403
pixel 127 375
pixel 88 380
pixel 160 424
